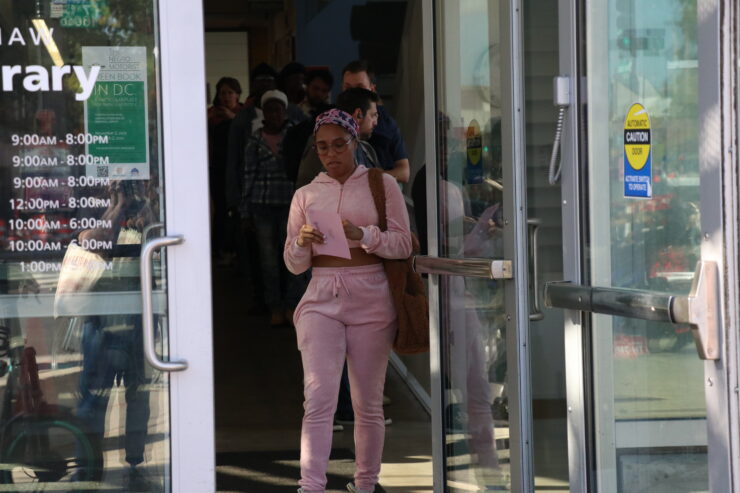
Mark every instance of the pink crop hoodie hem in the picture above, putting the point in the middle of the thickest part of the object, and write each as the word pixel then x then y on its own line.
pixel 354 202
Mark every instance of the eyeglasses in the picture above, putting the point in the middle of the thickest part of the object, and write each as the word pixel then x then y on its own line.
pixel 339 145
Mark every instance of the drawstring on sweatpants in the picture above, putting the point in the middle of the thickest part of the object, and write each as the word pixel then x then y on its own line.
pixel 339 282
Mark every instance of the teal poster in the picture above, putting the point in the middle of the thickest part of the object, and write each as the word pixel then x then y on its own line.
pixel 117 111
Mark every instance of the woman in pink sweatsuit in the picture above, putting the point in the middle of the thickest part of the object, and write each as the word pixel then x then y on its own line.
pixel 347 311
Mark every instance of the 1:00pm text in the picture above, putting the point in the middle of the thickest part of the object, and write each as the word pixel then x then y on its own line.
pixel 39 266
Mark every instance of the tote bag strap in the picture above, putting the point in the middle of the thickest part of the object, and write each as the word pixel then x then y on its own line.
pixel 377 189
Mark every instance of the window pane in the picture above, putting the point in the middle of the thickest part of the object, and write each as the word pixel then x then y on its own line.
pixel 475 363
pixel 645 234
pixel 81 173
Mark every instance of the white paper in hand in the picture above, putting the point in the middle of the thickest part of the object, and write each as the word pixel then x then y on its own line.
pixel 335 242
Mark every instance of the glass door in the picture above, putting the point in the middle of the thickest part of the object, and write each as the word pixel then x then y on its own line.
pixel 101 142
pixel 649 221
pixel 645 233
pixel 478 261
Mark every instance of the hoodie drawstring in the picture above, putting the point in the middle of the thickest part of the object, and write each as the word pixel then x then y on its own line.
pixel 339 283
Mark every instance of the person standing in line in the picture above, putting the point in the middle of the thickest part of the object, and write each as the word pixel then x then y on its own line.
pixel 319 82
pixel 347 311
pixel 266 197
pixel 262 79
pixel 225 107
pixel 292 81
pixel 386 139
pixel 295 141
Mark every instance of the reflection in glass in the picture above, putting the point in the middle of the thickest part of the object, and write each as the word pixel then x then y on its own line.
pixel 470 211
pixel 81 171
pixel 649 371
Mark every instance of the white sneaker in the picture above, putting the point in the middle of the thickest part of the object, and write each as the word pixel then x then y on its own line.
pixel 336 427
pixel 352 489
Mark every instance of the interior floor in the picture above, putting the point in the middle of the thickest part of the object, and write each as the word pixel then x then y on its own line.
pixel 259 398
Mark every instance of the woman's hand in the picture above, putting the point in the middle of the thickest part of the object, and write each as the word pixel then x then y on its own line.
pixel 308 234
pixel 225 112
pixel 228 114
pixel 351 231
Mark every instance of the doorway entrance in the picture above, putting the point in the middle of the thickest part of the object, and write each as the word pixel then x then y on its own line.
pixel 492 398
pixel 259 401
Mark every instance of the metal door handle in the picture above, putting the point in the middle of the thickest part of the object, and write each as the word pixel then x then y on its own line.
pixel 700 308
pixel 148 229
pixel 146 304
pixel 534 241
pixel 468 267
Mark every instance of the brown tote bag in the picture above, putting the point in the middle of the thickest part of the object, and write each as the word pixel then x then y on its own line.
pixel 407 288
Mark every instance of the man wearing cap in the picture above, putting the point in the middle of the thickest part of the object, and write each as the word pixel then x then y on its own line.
pixel 266 196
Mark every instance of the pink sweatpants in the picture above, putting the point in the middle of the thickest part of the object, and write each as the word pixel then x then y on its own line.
pixel 346 313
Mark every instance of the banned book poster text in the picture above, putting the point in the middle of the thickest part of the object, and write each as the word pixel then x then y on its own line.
pixel 117 108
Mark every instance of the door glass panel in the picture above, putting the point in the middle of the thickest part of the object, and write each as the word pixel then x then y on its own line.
pixel 470 196
pixel 650 416
pixel 81 175
pixel 546 328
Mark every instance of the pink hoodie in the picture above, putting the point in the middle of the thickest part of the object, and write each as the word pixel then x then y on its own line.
pixel 354 202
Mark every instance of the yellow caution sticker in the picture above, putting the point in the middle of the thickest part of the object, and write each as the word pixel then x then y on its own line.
pixel 638 173
pixel 474 147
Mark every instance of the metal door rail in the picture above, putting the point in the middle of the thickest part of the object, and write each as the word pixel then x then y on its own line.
pixel 619 302
pixel 700 308
pixel 150 352
pixel 468 267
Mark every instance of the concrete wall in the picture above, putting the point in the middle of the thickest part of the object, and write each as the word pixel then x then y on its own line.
pixel 324 38
pixel 226 56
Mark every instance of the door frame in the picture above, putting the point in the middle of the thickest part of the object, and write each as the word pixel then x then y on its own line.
pixel 430 151
pixel 182 70
pixel 730 48
pixel 578 396
pixel 718 106
pixel 516 244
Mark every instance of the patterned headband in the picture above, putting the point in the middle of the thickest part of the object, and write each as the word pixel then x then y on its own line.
pixel 337 117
